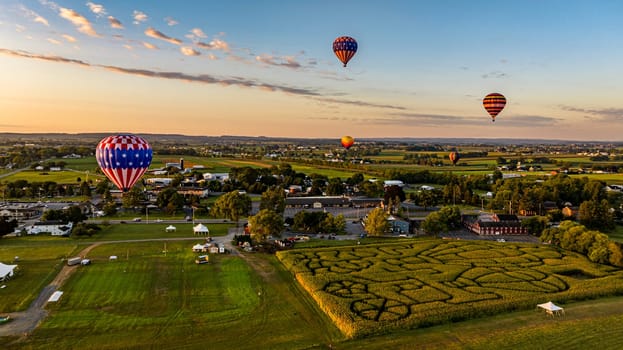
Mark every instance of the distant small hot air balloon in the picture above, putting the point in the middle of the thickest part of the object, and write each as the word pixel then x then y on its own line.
pixel 347 141
pixel 494 103
pixel 454 157
pixel 345 48
pixel 123 159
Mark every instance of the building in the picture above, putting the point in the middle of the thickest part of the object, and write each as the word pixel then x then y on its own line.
pixel 317 202
pixel 221 177
pixel 54 228
pixel 494 224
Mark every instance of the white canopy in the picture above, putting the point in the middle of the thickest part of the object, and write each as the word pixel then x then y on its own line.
pixel 551 308
pixel 6 271
pixel 170 228
pixel 201 228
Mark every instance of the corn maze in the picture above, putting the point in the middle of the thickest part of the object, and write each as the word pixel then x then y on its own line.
pixel 375 288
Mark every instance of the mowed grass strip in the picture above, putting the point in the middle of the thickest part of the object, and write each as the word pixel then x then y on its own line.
pixel 39 262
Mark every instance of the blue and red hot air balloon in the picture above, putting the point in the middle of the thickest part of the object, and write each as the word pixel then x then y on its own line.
pixel 344 48
pixel 123 159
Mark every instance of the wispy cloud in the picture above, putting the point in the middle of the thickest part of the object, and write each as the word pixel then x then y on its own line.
pixel 603 114
pixel 54 41
pixel 35 17
pixel 358 103
pixel 216 44
pixel 285 61
pixel 139 17
pixel 494 75
pixel 189 51
pixel 114 23
pixel 170 21
pixel 196 33
pixel 50 4
pixel 179 76
pixel 150 45
pixel 97 9
pixel 80 22
pixel 69 38
pixel 151 32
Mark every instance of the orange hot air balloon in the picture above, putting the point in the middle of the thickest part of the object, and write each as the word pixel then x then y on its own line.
pixel 347 141
pixel 344 48
pixel 454 157
pixel 494 103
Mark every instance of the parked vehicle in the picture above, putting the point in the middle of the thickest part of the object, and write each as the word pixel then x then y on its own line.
pixel 202 259
pixel 74 261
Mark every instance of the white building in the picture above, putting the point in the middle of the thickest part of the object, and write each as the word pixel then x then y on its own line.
pixel 54 228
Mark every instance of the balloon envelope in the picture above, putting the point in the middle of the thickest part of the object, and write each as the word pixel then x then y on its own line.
pixel 454 157
pixel 347 141
pixel 123 159
pixel 494 103
pixel 344 48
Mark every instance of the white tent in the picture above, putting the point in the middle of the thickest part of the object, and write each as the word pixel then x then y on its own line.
pixel 6 271
pixel 170 228
pixel 201 229
pixel 551 308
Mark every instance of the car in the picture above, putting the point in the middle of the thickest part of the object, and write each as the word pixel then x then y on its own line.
pixel 136 219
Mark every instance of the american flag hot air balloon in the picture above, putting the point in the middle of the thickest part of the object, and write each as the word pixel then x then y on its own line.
pixel 123 159
pixel 344 48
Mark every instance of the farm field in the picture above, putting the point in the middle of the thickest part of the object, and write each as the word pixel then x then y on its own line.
pixel 167 301
pixel 378 288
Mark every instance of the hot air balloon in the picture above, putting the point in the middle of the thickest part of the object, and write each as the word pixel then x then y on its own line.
pixel 494 103
pixel 454 157
pixel 123 159
pixel 347 141
pixel 345 48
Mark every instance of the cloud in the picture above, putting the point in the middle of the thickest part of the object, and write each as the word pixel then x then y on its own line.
pixel 151 32
pixel 129 47
pixel 189 51
pixel 201 78
pixel 603 114
pixel 285 61
pixel 150 45
pixel 114 23
pixel 33 15
pixel 139 17
pixel 358 103
pixel 54 41
pixel 50 4
pixel 82 24
pixel 170 21
pixel 97 9
pixel 197 32
pixel 494 75
pixel 69 38
pixel 216 44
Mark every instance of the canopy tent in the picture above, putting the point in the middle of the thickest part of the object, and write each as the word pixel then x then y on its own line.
pixel 551 308
pixel 6 271
pixel 170 228
pixel 201 229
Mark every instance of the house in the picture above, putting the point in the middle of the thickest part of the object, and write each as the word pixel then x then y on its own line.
pixel 494 224
pixel 317 202
pixel 398 226
pixel 221 177
pixel 54 228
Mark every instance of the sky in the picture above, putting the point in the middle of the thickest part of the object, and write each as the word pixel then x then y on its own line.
pixel 267 68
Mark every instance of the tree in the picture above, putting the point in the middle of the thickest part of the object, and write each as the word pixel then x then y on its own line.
pixel 335 187
pixel 596 215
pixel 85 189
pixel 434 224
pixel 376 223
pixel 273 199
pixel 333 224
pixel 535 224
pixel 82 229
pixel 74 214
pixel 132 198
pixel 7 226
pixel 232 205
pixel 266 222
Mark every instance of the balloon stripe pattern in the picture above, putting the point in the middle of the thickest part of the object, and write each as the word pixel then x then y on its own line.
pixel 494 103
pixel 124 159
pixel 345 48
pixel 454 157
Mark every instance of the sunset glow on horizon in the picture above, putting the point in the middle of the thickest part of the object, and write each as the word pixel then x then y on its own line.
pixel 267 68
